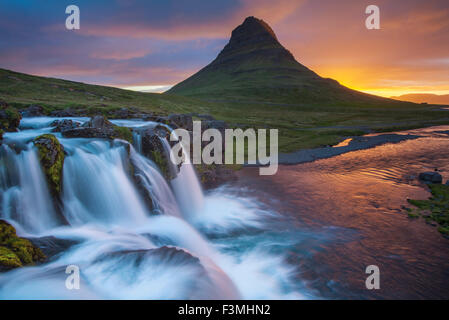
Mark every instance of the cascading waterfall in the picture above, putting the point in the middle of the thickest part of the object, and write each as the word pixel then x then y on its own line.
pixel 124 248
pixel 186 186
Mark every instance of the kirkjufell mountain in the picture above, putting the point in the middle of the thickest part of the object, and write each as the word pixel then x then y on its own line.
pixel 255 67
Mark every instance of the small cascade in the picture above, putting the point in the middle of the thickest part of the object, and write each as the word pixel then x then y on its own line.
pixel 25 198
pixel 96 187
pixel 162 197
pixel 186 187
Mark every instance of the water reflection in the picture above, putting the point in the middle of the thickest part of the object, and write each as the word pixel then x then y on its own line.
pixel 363 192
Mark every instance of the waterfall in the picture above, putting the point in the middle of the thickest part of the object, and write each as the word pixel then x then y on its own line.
pixel 126 247
pixel 25 198
pixel 186 186
pixel 97 188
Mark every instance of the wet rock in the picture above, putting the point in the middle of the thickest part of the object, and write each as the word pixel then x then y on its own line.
pixel 15 251
pixel 52 246
pixel 9 118
pixel 431 177
pixel 182 121
pixel 34 110
pixel 99 127
pixel 213 175
pixel 153 148
pixel 51 157
pixel 64 125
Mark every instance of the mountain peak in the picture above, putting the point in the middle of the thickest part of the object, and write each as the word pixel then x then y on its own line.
pixel 253 29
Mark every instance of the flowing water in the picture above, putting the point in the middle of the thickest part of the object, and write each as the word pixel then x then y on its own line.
pixel 185 245
pixel 307 232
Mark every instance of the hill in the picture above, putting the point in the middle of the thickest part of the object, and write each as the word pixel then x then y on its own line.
pixel 255 67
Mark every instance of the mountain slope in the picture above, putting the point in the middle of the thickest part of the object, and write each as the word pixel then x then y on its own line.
pixel 424 97
pixel 255 67
pixel 21 90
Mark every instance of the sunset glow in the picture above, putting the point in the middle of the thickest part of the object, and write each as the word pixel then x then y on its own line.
pixel 150 45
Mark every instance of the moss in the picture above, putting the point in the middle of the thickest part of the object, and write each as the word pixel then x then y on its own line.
pixel 51 157
pixel 436 208
pixel 123 133
pixel 161 162
pixel 15 251
pixel 10 118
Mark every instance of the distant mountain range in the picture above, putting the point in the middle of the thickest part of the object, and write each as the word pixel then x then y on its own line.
pixel 424 98
pixel 255 67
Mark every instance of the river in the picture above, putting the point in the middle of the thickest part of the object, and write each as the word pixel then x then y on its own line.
pixel 308 232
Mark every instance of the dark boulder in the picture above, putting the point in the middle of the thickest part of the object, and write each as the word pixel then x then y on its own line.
pixel 153 148
pixel 51 156
pixel 431 177
pixel 64 125
pixel 52 246
pixel 34 110
pixel 213 175
pixel 184 121
pixel 9 118
pixel 99 127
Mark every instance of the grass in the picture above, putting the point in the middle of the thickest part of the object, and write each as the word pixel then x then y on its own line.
pixel 436 208
pixel 301 125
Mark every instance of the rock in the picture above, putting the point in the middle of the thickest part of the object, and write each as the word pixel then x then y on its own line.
pixel 213 175
pixel 51 157
pixel 64 113
pixel 182 121
pixel 9 118
pixel 52 246
pixel 99 127
pixel 431 176
pixel 153 148
pixel 15 251
pixel 34 110
pixel 64 125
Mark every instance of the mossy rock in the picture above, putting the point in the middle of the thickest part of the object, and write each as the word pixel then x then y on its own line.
pixel 123 133
pixel 15 251
pixel 436 208
pixel 161 161
pixel 51 157
pixel 9 117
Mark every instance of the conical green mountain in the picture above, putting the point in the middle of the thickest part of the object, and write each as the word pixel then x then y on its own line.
pixel 255 67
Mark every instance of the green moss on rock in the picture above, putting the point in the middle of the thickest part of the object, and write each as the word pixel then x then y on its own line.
pixel 161 162
pixel 436 208
pixel 9 117
pixel 15 251
pixel 51 157
pixel 123 133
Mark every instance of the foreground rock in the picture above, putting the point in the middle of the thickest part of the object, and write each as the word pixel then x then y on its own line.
pixel 431 177
pixel 51 157
pixel 98 127
pixel 64 125
pixel 15 251
pixel 9 118
pixel 154 149
pixel 33 110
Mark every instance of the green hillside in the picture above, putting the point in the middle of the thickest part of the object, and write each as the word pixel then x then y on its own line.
pixel 21 90
pixel 255 67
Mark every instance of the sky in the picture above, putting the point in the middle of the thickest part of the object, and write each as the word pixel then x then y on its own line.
pixel 151 45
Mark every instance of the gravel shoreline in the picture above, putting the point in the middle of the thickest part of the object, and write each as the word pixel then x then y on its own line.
pixel 357 143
